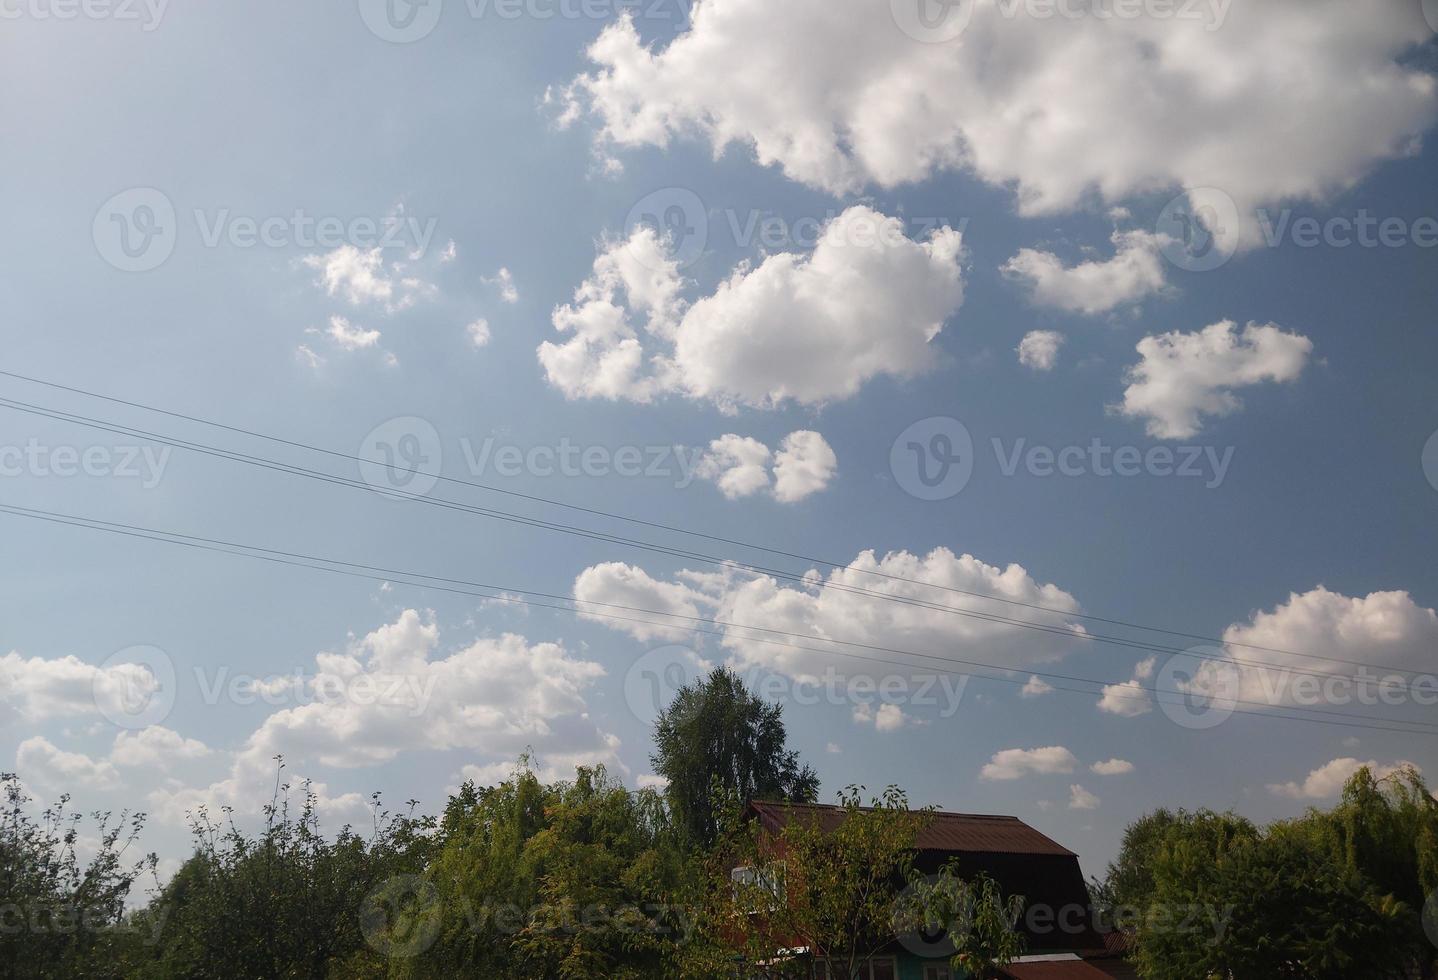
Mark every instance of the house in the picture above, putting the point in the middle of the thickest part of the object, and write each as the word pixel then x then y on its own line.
pixel 1057 923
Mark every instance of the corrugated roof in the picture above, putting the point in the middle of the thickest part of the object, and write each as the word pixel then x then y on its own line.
pixel 970 833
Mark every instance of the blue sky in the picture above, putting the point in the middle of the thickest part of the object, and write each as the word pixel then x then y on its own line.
pixel 262 111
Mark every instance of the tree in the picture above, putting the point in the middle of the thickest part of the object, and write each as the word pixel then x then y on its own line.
pixel 720 746
pixel 831 892
pixel 1267 907
pixel 976 916
pixel 570 879
pixel 1332 894
pixel 287 902
pixel 60 916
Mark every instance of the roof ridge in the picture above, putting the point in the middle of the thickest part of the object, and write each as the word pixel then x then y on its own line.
pixel 937 813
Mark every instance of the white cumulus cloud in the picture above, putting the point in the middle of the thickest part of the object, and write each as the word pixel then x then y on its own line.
pixel 865 303
pixel 1011 764
pixel 1132 274
pixel 1183 377
pixel 1326 782
pixel 742 466
pixel 1039 349
pixel 1289 99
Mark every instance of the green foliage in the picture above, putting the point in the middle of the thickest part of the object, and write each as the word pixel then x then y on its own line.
pixel 285 903
pixel 577 879
pixel 976 916
pixel 831 892
pixel 720 746
pixel 59 916
pixel 1331 895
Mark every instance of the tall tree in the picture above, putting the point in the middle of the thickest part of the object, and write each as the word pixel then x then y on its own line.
pixel 719 746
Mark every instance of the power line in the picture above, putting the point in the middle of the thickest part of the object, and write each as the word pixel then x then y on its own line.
pixel 840 566
pixel 296 470
pixel 506 594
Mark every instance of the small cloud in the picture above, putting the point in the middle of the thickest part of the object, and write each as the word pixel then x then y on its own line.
pixel 1113 767
pixel 651 781
pixel 1081 799
pixel 1035 688
pixel 833 748
pixel 306 356
pixel 478 332
pixel 886 718
pixel 1327 781
pixel 1017 763
pixel 504 279
pixel 1039 349
pixel 347 336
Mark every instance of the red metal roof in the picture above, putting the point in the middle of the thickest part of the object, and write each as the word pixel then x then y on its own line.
pixel 970 833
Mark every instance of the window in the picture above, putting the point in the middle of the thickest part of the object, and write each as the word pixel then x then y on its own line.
pixel 937 973
pixel 761 888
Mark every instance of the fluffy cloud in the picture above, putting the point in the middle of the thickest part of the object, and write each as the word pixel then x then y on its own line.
pixel 362 277
pixel 1185 376
pixel 155 747
pixel 347 336
pixel 35 689
pixel 1082 799
pixel 390 692
pixel 804 465
pixel 824 607
pixel 809 328
pixel 1017 763
pixel 1039 349
pixel 1383 630
pixel 1112 767
pixel 504 279
pixel 1135 272
pixel 1326 782
pixel 884 717
pixel 740 466
pixel 1036 687
pixel 41 764
pixel 617 584
pixel 1131 698
pixel 478 332
pixel 1290 99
